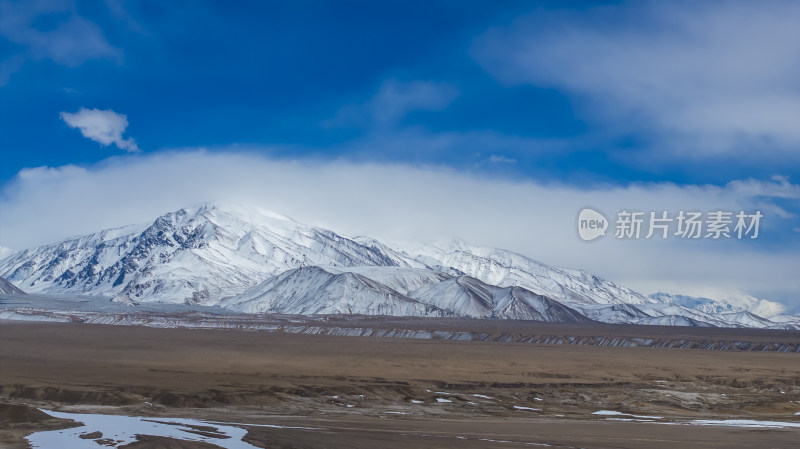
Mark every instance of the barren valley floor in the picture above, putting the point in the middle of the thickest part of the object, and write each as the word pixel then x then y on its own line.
pixel 361 392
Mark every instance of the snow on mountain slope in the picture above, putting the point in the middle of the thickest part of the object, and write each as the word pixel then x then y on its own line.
pixel 7 288
pixel 612 313
pixel 6 252
pixel 255 260
pixel 727 304
pixel 668 314
pixel 667 310
pixel 193 255
pixel 463 296
pixel 665 314
pixel 673 320
pixel 508 269
pixel 517 303
pixel 748 319
pixel 314 290
pixel 204 253
pixel 468 297
pixel 401 279
pixel 318 290
pixel 402 258
pixel 786 320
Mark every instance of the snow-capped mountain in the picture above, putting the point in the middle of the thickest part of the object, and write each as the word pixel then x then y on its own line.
pixel 729 304
pixel 674 314
pixel 505 268
pixel 6 252
pixel 468 297
pixel 400 279
pixel 7 288
pixel 789 321
pixel 253 260
pixel 196 255
pixel 314 290
pixel 212 251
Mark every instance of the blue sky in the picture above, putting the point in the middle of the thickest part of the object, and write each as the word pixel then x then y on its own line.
pixel 582 96
pixel 252 73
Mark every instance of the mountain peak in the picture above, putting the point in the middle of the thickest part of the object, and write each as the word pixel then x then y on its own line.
pixel 246 212
pixel 198 254
pixel 6 252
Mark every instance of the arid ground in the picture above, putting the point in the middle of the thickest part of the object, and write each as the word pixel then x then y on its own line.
pixel 364 392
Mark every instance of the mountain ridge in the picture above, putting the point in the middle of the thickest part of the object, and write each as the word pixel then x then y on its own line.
pixel 236 256
pixel 7 288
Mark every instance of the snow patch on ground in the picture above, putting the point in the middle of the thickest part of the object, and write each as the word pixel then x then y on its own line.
pixel 482 396
pixel 613 413
pixel 120 430
pixel 745 423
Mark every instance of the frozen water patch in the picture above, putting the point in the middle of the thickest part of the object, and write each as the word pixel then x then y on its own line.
pixel 525 443
pixel 443 400
pixel 482 396
pixel 118 430
pixel 613 413
pixel 271 426
pixel 16 315
pixel 416 401
pixel 530 409
pixel 749 423
pixel 745 423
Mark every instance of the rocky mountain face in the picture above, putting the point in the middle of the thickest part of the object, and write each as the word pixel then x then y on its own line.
pixel 253 260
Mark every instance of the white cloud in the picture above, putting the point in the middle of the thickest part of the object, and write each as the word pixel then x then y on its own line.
pixel 702 78
pixel 102 126
pixel 393 101
pixel 69 39
pixel 403 203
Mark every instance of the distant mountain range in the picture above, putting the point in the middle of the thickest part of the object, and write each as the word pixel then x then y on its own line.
pixel 252 260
